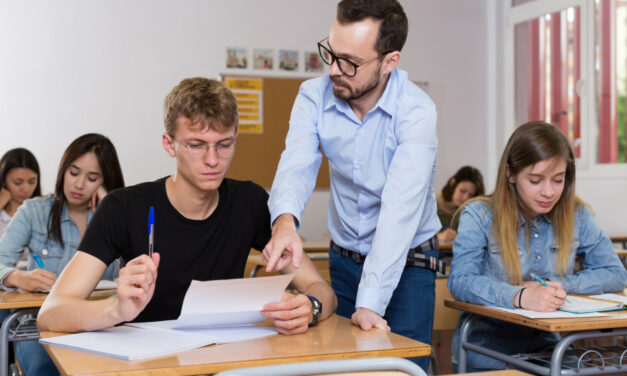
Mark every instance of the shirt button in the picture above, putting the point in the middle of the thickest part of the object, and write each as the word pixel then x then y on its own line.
pixel 363 216
pixel 538 257
pixel 44 252
pixel 357 165
pixel 535 235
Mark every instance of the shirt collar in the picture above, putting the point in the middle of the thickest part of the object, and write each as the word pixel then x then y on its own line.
pixel 65 214
pixel 386 102
pixel 541 218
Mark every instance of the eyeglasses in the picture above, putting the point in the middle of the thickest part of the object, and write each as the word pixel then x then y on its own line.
pixel 196 150
pixel 347 67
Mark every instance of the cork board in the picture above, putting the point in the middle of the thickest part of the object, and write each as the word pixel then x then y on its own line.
pixel 257 154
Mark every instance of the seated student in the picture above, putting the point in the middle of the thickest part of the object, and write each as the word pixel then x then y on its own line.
pixel 52 227
pixel 517 230
pixel 461 187
pixel 19 181
pixel 205 226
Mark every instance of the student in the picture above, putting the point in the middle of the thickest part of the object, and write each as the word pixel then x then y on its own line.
pixel 19 181
pixel 377 129
pixel 51 227
pixel 518 230
pixel 205 226
pixel 464 185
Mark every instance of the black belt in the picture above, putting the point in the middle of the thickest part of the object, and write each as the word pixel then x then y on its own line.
pixel 415 256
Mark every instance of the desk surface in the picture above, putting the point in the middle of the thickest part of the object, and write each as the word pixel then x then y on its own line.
pixel 334 338
pixel 615 319
pixel 17 299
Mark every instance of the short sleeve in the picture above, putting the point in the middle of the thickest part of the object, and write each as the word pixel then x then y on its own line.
pixel 105 234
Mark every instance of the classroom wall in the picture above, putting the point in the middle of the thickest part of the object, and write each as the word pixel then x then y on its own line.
pixel 69 66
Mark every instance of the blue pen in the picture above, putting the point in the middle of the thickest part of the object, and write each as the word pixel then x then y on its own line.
pixel 540 280
pixel 151 230
pixel 543 283
pixel 38 261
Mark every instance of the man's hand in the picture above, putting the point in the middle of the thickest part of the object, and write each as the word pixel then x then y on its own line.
pixel 291 315
pixel 136 285
pixel 541 298
pixel 367 319
pixel 285 245
pixel 31 280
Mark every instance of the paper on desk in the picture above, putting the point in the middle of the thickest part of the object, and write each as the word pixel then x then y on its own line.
pixel 612 297
pixel 127 342
pixel 548 315
pixel 230 302
pixel 106 284
pixel 224 334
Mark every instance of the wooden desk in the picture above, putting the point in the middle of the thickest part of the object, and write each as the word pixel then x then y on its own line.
pixel 27 303
pixel 334 338
pixel 613 325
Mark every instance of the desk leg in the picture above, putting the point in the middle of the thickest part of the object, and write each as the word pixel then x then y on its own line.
pixel 463 337
pixel 5 337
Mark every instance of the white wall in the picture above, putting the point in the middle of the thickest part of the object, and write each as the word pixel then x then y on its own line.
pixel 68 67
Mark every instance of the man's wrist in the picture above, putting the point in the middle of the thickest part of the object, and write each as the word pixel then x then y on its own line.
pixel 316 310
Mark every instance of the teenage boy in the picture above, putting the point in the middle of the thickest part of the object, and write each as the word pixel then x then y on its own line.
pixel 205 225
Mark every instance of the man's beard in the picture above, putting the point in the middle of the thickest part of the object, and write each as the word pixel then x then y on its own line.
pixel 352 92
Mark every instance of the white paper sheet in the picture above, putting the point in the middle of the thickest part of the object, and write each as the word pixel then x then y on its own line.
pixel 223 334
pixel 230 302
pixel 548 315
pixel 105 284
pixel 127 342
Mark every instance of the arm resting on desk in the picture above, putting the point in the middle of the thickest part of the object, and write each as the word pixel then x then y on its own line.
pixel 67 309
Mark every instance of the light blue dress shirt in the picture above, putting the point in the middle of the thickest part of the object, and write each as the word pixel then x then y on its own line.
pixel 29 229
pixel 381 169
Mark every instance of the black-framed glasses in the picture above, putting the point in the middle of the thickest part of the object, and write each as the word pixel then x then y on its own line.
pixel 347 67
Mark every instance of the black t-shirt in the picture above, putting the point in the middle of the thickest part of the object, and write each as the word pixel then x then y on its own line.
pixel 210 249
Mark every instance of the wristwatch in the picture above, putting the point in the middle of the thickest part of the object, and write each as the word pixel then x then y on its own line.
pixel 316 310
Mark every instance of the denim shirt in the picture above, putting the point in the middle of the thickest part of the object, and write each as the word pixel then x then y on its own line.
pixel 478 276
pixel 477 272
pixel 29 228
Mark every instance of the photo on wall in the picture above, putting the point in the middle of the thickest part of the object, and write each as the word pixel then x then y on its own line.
pixel 236 58
pixel 263 58
pixel 288 60
pixel 313 62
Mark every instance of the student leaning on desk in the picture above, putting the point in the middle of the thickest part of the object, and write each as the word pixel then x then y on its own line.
pixel 204 228
pixel 518 230
pixel 51 227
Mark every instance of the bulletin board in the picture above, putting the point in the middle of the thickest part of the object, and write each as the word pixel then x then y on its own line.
pixel 257 154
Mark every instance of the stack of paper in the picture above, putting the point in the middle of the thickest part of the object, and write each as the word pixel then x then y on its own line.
pixel 213 312
pixel 581 304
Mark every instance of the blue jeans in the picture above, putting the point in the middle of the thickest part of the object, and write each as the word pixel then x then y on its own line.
pixel 34 360
pixel 410 312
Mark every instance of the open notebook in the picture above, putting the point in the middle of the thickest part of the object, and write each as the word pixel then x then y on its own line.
pixel 213 312
pixel 593 303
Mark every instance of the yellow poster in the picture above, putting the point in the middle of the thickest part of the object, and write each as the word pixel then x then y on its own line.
pixel 249 95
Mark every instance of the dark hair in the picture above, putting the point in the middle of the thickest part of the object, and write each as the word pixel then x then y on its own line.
pixel 109 165
pixel 202 100
pixel 393 24
pixel 19 158
pixel 466 173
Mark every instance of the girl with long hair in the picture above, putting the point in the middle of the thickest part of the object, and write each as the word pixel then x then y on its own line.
pixel 19 181
pixel 532 223
pixel 51 228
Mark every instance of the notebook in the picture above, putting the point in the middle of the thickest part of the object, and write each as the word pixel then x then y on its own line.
pixel 588 304
pixel 213 312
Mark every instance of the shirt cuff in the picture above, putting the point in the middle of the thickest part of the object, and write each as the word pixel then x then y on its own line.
pixel 284 210
pixel 505 295
pixel 368 297
pixel 3 277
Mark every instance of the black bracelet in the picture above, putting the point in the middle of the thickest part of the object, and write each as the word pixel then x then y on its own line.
pixel 520 297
